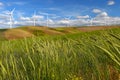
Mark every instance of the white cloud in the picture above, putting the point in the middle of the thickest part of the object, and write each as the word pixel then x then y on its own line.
pixel 37 17
pixel 104 19
pixel 20 13
pixel 24 21
pixel 16 3
pixel 50 21
pixel 102 14
pixel 83 17
pixel 63 21
pixel 56 9
pixel 52 8
pixel 25 18
pixel 1 4
pixel 100 19
pixel 46 14
pixel 19 3
pixel 3 16
pixel 73 22
pixel 96 11
pixel 111 2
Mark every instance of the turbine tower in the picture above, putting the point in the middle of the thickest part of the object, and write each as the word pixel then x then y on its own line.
pixel 106 20
pixel 68 20
pixel 11 17
pixel 34 18
pixel 91 21
pixel 47 18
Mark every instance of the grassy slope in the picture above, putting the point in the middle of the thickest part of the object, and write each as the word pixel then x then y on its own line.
pixel 30 31
pixel 70 57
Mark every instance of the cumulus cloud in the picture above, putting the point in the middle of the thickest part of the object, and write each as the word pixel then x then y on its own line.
pixel 25 18
pixel 50 21
pixel 63 22
pixel 102 14
pixel 100 19
pixel 1 4
pixel 83 17
pixel 96 11
pixel 19 3
pixel 111 2
pixel 3 16
pixel 37 17
pixel 24 21
pixel 16 3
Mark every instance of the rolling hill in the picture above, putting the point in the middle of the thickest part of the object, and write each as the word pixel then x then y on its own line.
pixel 30 31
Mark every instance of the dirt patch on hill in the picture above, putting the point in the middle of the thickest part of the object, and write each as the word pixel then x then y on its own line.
pixel 16 34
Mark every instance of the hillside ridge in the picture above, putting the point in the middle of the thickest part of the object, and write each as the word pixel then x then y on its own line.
pixel 30 31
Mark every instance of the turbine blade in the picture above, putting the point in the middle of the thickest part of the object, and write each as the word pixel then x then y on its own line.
pixel 12 11
pixel 34 14
pixel 69 17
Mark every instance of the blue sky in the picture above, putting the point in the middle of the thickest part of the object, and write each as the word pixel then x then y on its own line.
pixel 60 12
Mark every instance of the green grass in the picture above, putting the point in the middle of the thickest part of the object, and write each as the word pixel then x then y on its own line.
pixel 38 33
pixel 2 38
pixel 81 56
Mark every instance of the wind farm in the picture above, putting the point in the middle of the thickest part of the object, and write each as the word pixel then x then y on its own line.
pixel 59 40
pixel 51 20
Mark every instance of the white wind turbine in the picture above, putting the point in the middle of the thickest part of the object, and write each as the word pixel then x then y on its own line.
pixel 116 22
pixel 34 19
pixel 109 21
pixel 11 17
pixel 106 20
pixel 47 18
pixel 91 21
pixel 67 19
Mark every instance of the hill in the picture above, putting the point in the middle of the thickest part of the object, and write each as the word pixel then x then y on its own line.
pixel 30 31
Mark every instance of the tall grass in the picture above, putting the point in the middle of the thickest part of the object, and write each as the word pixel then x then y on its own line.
pixel 83 56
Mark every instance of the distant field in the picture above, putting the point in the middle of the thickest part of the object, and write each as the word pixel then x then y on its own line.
pixel 71 55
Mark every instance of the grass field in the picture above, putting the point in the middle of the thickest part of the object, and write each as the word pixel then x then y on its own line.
pixel 88 55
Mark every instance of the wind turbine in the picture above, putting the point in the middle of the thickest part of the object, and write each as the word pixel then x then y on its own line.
pixel 34 19
pixel 91 21
pixel 106 20
pixel 47 18
pixel 11 17
pixel 68 20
